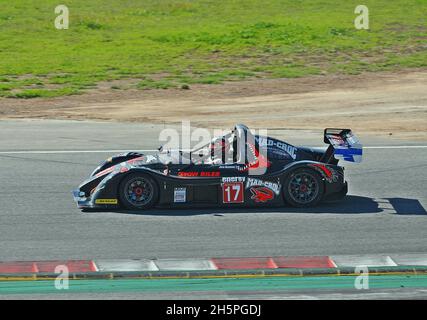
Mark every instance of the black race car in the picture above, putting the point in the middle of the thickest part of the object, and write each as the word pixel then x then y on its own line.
pixel 238 169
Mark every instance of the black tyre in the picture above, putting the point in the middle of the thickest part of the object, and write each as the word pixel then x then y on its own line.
pixel 303 187
pixel 138 191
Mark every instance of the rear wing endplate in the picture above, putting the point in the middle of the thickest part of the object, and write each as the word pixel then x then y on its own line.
pixel 346 146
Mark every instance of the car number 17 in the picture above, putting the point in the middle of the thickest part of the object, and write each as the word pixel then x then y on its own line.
pixel 232 192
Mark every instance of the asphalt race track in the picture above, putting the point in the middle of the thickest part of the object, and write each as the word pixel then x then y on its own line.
pixel 41 162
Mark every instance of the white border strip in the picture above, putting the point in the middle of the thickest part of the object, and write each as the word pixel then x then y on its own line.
pixel 363 260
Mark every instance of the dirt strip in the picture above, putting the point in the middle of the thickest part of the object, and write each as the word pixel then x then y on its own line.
pixel 371 103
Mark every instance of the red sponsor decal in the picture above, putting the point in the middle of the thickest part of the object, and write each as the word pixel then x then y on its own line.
pixel 134 160
pixel 261 194
pixel 199 174
pixel 327 173
pixel 104 172
pixel 124 169
pixel 210 174
pixel 325 169
pixel 188 174
pixel 232 192
pixel 260 162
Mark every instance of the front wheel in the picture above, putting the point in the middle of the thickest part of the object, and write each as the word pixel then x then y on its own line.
pixel 303 188
pixel 138 192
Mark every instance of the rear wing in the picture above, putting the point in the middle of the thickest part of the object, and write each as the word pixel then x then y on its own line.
pixel 344 145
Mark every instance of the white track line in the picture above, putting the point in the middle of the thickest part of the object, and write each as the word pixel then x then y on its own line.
pixel 395 147
pixel 154 150
pixel 69 151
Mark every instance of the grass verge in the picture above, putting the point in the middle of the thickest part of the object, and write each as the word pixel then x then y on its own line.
pixel 174 43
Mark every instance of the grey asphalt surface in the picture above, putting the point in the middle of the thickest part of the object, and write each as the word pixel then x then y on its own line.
pixel 385 211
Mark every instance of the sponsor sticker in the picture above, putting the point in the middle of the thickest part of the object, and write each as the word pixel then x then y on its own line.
pixel 180 195
pixel 106 201
pixel 232 192
pixel 199 174
pixel 261 194
pixel 338 140
pixel 329 174
pixel 289 149
pixel 273 186
pixel 233 179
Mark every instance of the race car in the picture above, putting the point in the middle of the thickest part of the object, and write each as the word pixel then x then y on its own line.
pixel 237 169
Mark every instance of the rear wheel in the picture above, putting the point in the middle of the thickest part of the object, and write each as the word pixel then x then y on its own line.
pixel 138 192
pixel 303 188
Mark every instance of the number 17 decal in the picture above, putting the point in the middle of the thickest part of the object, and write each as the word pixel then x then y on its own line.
pixel 232 192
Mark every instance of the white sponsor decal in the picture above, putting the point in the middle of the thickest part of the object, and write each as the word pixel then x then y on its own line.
pixel 275 187
pixel 179 195
pixel 291 150
pixel 150 159
pixel 233 179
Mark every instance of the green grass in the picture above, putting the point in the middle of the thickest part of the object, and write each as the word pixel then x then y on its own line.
pixel 169 43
